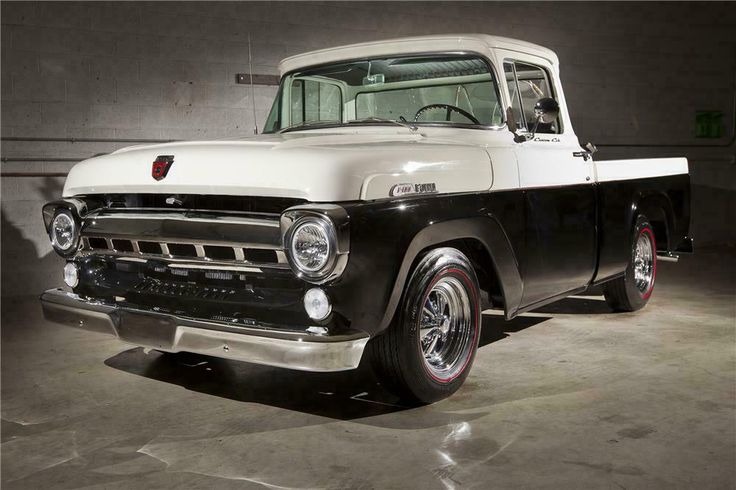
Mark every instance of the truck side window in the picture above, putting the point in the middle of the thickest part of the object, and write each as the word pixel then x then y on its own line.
pixel 513 87
pixel 530 83
pixel 315 101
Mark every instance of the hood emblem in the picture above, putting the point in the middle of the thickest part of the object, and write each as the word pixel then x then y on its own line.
pixel 161 166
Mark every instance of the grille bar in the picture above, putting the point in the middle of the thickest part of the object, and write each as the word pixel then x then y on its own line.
pixel 185 251
pixel 233 239
pixel 185 228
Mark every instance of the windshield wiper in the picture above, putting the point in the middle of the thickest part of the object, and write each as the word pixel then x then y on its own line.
pixel 308 124
pixel 403 123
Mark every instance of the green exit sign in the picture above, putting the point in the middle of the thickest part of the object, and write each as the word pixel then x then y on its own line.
pixel 708 124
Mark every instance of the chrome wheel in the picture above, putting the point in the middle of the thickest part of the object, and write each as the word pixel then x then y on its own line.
pixel 446 329
pixel 644 262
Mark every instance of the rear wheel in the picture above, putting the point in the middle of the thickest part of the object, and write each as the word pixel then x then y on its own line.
pixel 426 354
pixel 632 291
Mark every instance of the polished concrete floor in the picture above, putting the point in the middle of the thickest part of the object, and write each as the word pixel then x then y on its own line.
pixel 572 396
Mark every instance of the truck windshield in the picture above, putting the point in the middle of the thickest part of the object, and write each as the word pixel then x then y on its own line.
pixel 438 90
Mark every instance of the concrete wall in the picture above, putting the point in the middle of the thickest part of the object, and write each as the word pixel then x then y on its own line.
pixel 634 74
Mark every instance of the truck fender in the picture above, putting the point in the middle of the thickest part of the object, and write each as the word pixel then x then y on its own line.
pixel 652 205
pixel 485 229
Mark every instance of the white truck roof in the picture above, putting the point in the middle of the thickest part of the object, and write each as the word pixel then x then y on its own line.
pixel 434 43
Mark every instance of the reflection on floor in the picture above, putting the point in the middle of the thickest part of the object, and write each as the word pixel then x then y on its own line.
pixel 571 395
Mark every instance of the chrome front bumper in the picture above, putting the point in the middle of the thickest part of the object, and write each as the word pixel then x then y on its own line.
pixel 258 344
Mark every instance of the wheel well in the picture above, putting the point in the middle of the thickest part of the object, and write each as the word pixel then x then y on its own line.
pixel 658 219
pixel 482 263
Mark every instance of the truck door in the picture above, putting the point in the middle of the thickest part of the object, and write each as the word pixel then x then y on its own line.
pixel 559 195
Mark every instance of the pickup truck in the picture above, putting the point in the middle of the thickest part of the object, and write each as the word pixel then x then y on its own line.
pixel 398 188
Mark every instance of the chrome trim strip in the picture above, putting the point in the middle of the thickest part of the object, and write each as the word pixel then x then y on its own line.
pixel 257 344
pixel 188 262
pixel 216 267
pixel 188 217
pixel 195 211
pixel 133 259
pixel 183 241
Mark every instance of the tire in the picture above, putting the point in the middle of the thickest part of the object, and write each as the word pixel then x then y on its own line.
pixel 424 356
pixel 633 290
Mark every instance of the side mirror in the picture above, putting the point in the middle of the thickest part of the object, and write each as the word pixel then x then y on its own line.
pixel 546 110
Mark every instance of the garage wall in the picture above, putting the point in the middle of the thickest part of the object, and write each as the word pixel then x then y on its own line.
pixel 634 74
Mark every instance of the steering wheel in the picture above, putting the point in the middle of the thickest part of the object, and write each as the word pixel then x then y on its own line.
pixel 450 109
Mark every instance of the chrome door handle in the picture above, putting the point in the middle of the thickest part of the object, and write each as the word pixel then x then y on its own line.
pixel 584 154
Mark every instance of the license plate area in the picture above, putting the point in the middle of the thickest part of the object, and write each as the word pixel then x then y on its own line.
pixel 149 330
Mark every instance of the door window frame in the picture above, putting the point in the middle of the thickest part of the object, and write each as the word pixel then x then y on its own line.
pixel 550 84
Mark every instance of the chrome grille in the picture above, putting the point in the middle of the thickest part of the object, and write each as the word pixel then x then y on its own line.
pixel 225 241
pixel 178 250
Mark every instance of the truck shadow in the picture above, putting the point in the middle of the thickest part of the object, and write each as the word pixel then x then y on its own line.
pixel 25 267
pixel 341 395
pixel 496 328
pixel 344 395
pixel 577 305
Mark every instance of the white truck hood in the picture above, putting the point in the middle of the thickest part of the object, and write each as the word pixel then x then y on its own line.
pixel 314 165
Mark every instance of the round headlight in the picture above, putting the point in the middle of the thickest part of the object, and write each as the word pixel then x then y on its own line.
pixel 63 232
pixel 311 245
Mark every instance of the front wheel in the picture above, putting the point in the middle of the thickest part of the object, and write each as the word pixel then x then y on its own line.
pixel 426 353
pixel 632 291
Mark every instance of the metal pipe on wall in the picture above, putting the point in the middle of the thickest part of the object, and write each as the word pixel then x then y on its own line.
pixel 83 140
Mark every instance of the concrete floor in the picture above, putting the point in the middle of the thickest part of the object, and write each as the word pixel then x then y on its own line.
pixel 572 396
